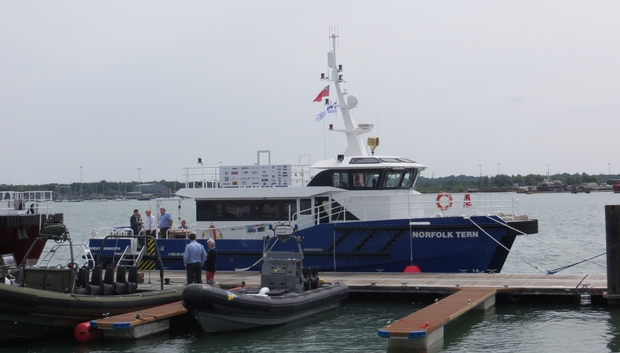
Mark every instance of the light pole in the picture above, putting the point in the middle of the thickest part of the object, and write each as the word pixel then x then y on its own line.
pixel 81 195
pixel 609 164
pixel 497 168
pixel 480 165
pixel 139 181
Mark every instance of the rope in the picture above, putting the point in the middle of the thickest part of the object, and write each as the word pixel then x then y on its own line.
pixel 555 247
pixel 576 263
pixel 502 245
pixel 259 260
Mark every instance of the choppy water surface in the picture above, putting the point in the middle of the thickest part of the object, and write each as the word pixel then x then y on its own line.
pixel 571 227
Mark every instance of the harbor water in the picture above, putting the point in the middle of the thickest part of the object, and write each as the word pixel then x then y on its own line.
pixel 571 229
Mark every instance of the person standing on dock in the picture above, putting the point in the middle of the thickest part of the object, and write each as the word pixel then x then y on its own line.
pixel 210 266
pixel 194 257
pixel 165 222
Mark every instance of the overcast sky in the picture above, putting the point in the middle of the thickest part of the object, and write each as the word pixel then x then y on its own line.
pixel 114 86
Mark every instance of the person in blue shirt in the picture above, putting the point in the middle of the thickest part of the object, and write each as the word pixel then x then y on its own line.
pixel 194 257
pixel 165 222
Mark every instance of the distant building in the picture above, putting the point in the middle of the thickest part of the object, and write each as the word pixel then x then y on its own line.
pixel 150 189
pixel 589 186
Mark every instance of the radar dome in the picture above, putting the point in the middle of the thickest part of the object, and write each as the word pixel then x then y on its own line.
pixel 352 99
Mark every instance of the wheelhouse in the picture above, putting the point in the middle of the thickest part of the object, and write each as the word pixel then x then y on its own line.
pixel 364 173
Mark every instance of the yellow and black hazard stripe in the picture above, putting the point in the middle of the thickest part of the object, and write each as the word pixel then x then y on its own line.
pixel 150 249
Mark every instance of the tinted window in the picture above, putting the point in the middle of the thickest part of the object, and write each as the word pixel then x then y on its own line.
pixel 305 206
pixel 392 179
pixel 365 160
pixel 391 160
pixel 408 179
pixel 340 180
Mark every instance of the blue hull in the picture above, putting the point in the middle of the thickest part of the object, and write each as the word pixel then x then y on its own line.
pixel 450 244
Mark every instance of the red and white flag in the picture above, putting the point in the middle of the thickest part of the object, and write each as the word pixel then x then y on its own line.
pixel 323 93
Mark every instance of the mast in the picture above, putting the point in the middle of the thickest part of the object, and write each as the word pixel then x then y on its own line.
pixel 355 147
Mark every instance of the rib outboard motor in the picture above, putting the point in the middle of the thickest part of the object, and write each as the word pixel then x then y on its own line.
pixel 306 278
pixel 314 277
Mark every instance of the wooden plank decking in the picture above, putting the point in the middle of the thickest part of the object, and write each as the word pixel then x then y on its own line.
pixel 142 317
pixel 436 315
pixel 391 282
pixel 420 329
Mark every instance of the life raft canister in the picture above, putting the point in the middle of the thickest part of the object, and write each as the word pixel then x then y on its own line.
pixel 467 201
pixel 439 203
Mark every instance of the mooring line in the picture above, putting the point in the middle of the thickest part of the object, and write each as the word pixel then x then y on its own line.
pixel 553 246
pixel 503 246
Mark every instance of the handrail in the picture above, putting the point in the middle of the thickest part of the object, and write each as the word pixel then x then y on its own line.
pixel 209 177
pixel 159 259
pixel 25 202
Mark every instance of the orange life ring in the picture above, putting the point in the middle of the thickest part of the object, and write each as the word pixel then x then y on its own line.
pixel 440 205
pixel 217 234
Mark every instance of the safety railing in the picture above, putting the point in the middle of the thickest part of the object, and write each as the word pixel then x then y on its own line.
pixel 209 177
pixel 25 202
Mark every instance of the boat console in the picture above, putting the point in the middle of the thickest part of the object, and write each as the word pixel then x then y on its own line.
pixel 50 279
pixel 7 263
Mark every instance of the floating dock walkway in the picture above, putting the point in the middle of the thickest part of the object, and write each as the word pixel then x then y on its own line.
pixel 140 323
pixel 424 329
pixel 436 283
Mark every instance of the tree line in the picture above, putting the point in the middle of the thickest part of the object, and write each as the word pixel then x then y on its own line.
pixel 459 183
pixel 503 182
pixel 101 189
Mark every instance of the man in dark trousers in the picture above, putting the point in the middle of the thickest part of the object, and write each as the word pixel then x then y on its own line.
pixel 194 256
pixel 135 222
pixel 211 257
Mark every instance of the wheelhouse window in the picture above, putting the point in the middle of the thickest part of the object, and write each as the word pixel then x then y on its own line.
pixel 409 179
pixel 392 179
pixel 340 180
pixel 361 179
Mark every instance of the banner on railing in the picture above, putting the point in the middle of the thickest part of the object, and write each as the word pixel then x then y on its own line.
pixel 256 176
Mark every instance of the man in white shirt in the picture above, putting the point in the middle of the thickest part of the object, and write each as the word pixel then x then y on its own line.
pixel 150 224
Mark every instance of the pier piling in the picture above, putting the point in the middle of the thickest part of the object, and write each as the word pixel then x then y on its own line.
pixel 612 243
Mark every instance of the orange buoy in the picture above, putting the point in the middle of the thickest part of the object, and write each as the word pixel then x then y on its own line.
pixel 467 201
pixel 412 269
pixel 439 201
pixel 85 332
